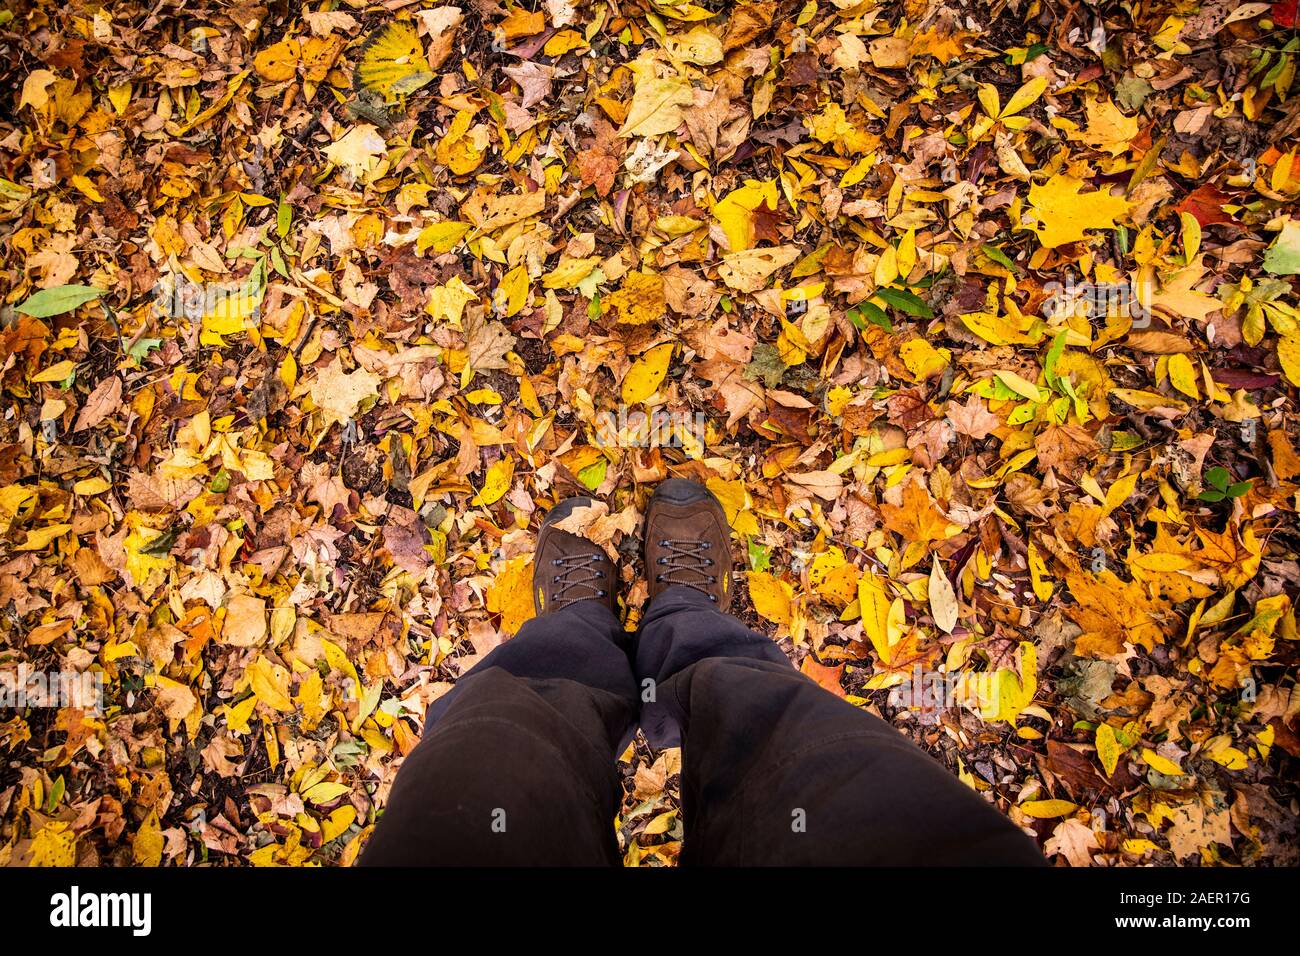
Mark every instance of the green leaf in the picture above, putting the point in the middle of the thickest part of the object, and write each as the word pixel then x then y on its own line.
pixel 56 794
pixel 60 299
pixel 905 301
pixel 142 347
pixel 283 218
pixel 1282 258
pixel 594 474
pixel 1218 478
pixel 876 316
pixel 760 558
pixel 766 364
pixel 161 545
pixel 1238 489
pixel 1053 356
pixel 1000 257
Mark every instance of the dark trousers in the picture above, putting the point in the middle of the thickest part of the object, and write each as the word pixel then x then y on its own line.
pixel 517 763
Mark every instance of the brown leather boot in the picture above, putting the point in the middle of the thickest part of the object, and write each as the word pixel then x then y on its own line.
pixel 688 541
pixel 567 567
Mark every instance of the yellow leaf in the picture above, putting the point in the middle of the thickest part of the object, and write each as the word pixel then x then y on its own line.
pixel 1024 96
pixel 570 272
pixel 647 374
pixel 497 482
pixel 278 62
pixel 41 537
pixel 337 822
pixel 441 236
pixel 326 792
pixel 1047 809
pixel 447 302
pixel 882 618
pixel 907 254
pixel 513 291
pixel 640 299
pixel 312 700
pixel 91 486
pixel 1021 386
pixel 773 598
pixel 735 211
pixel 1182 375
pixel 1108 748
pixel 1161 764
pixel 270 682
pixel 988 97
pixel 750 270
pixel 736 503
pixel 1138 846
pixel 1288 354
pixel 120 96
pixel 1221 751
pixel 56 372
pixel 55 844
pixel 832 577
pixel 922 359
pixel 237 716
pixel 511 594
pixel 87 188
pixel 1191 235
pixel 656 102
pixel 393 61
pixel 147 844
pixel 1064 212
pixel 1038 578
pixel 1119 491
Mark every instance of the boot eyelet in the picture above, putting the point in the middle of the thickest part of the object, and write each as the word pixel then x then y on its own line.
pixel 663 544
pixel 658 578
pixel 556 579
pixel 600 594
pixel 555 562
pixel 713 598
pixel 708 562
pixel 706 546
pixel 662 561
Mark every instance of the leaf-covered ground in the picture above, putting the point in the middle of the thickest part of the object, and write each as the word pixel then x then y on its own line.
pixel 979 318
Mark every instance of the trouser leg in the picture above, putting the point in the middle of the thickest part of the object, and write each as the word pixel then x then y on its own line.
pixel 777 770
pixel 517 763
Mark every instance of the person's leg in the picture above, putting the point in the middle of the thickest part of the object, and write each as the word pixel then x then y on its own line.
pixel 517 764
pixel 777 770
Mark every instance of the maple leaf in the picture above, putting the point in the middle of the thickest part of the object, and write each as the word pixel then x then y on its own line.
pixel 1064 212
pixel 917 520
pixel 1113 612
pixel 973 419
pixel 1073 840
pixel 639 300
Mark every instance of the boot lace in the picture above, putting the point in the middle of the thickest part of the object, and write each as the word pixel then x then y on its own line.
pixel 685 563
pixel 576 581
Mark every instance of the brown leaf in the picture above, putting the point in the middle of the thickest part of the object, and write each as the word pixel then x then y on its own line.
pixel 100 403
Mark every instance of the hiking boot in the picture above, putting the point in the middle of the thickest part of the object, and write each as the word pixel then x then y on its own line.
pixel 688 541
pixel 568 568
